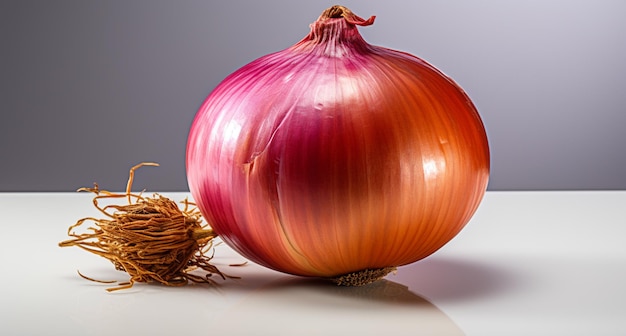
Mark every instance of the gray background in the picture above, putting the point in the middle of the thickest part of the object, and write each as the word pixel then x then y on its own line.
pixel 89 88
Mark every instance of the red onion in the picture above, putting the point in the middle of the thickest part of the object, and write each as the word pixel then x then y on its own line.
pixel 335 158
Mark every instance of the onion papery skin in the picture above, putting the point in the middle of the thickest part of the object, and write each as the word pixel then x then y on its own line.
pixel 334 156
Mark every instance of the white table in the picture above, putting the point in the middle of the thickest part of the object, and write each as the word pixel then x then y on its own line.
pixel 529 263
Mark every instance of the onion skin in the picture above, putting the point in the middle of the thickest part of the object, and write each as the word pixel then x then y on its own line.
pixel 335 156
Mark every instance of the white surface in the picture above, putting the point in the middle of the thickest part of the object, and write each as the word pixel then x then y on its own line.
pixel 529 263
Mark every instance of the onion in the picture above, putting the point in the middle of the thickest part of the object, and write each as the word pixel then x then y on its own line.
pixel 335 158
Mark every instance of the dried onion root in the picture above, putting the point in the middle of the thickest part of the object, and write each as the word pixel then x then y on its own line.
pixel 150 238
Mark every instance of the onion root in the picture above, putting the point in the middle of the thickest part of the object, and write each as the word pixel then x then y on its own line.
pixel 363 277
pixel 150 238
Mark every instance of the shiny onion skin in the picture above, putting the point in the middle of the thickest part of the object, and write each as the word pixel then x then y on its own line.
pixel 335 156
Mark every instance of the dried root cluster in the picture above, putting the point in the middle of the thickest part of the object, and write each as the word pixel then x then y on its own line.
pixel 150 238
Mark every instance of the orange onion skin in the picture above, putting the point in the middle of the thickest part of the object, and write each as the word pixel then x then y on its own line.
pixel 334 156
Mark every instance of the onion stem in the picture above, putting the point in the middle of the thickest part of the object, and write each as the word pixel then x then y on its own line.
pixel 201 234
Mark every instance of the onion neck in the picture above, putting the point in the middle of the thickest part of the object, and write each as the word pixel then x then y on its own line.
pixel 337 11
pixel 335 33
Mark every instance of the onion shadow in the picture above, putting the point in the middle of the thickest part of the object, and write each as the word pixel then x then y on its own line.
pixel 379 292
pixel 445 279
pixel 305 306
